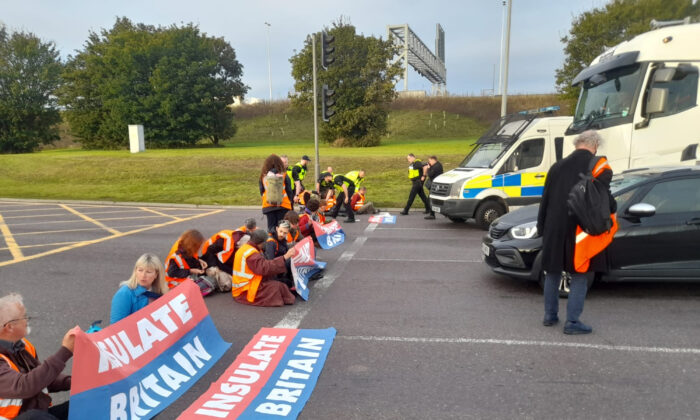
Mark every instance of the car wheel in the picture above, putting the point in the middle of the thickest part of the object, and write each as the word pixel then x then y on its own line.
pixel 487 212
pixel 456 219
pixel 565 283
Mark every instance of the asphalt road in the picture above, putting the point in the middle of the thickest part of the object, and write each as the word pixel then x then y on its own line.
pixel 425 330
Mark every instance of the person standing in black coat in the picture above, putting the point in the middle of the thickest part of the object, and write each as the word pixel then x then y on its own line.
pixel 432 170
pixel 415 175
pixel 558 230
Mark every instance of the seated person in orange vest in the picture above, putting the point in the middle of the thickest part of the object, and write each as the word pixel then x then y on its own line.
pixel 253 275
pixel 311 212
pixel 25 381
pixel 219 250
pixel 276 246
pixel 293 236
pixel 182 261
pixel 360 205
pixel 328 204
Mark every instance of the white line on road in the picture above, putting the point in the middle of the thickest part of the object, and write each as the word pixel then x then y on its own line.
pixel 416 260
pixel 296 315
pixel 463 340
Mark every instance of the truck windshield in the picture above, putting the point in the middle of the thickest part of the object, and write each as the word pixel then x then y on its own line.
pixel 607 95
pixel 483 155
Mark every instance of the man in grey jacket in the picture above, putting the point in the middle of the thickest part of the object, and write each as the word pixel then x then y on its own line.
pixel 24 380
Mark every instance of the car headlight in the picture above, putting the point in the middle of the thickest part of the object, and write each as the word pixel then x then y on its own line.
pixel 524 231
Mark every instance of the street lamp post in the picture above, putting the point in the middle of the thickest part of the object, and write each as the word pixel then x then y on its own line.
pixel 269 71
pixel 504 85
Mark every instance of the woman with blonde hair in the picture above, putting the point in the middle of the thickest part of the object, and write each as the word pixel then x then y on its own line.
pixel 146 284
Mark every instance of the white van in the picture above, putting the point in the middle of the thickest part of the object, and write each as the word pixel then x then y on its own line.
pixel 507 167
pixel 642 97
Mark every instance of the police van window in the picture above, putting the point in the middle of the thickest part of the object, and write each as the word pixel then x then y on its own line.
pixel 528 155
pixel 677 196
pixel 559 147
pixel 682 91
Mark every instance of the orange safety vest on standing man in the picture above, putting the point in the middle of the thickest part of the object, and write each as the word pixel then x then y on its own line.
pixel 588 246
pixel 244 280
pixel 10 407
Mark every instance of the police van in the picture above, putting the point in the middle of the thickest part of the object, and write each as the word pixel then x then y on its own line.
pixel 507 167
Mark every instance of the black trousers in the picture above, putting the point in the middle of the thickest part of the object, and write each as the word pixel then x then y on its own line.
pixel 274 217
pixel 417 189
pixel 348 206
pixel 57 412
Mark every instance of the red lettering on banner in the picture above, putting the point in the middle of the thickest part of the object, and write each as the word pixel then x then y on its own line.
pixel 243 380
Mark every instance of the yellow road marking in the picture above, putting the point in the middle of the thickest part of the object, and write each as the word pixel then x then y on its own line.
pixel 95 241
pixel 10 240
pixel 48 232
pixel 40 245
pixel 52 221
pixel 157 212
pixel 27 210
pixel 91 220
pixel 35 216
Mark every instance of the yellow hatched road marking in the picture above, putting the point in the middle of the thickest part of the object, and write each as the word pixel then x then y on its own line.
pixel 95 241
pixel 10 240
pixel 40 245
pixel 157 212
pixel 35 216
pixel 91 220
pixel 48 232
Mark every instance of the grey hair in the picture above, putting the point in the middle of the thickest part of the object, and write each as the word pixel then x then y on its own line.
pixel 8 307
pixel 250 223
pixel 258 236
pixel 589 138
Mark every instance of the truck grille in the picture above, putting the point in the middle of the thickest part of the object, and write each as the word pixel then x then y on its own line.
pixel 496 233
pixel 440 189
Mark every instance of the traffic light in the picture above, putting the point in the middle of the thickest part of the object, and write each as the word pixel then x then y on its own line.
pixel 327 49
pixel 327 102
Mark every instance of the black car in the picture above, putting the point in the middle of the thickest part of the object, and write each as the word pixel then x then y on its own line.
pixel 658 237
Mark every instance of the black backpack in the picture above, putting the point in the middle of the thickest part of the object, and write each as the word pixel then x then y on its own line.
pixel 590 203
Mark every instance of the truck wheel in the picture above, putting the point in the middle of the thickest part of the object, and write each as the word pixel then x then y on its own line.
pixel 487 212
pixel 456 219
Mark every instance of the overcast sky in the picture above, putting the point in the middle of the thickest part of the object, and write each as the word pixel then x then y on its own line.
pixel 472 32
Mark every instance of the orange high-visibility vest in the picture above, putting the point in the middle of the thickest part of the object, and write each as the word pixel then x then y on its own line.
pixel 228 248
pixel 181 262
pixel 285 200
pixel 10 407
pixel 243 277
pixel 330 203
pixel 588 246
pixel 360 202
pixel 294 238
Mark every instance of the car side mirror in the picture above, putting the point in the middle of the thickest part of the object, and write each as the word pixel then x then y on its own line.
pixel 657 101
pixel 664 75
pixel 641 210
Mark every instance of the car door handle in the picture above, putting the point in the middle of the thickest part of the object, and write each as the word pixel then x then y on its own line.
pixel 539 176
pixel 693 221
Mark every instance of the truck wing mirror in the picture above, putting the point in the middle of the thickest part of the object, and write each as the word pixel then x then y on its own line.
pixel 664 75
pixel 657 100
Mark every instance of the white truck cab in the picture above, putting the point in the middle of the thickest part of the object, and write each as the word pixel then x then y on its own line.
pixel 642 98
pixel 507 167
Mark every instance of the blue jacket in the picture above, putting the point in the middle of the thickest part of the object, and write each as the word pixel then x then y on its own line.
pixel 127 301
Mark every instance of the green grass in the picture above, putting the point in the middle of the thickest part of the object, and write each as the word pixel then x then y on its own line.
pixel 225 175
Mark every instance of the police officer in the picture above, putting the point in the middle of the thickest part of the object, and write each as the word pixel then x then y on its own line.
pixel 432 170
pixel 325 183
pixel 357 178
pixel 415 174
pixel 345 188
pixel 297 174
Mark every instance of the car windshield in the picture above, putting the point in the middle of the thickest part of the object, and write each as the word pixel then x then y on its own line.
pixel 607 95
pixel 483 155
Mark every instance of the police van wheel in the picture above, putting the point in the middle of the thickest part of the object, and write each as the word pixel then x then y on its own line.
pixel 456 219
pixel 487 212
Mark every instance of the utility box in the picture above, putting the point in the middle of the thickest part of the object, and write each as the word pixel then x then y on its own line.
pixel 136 140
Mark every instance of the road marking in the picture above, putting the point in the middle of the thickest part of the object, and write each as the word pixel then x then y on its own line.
pixel 10 240
pixel 157 212
pixel 106 238
pixel 296 315
pixel 90 219
pixel 35 215
pixel 47 232
pixel 530 343
pixel 40 245
pixel 415 260
pixel 406 228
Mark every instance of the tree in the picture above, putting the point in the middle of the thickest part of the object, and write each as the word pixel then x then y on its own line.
pixel 363 79
pixel 30 71
pixel 175 81
pixel 592 32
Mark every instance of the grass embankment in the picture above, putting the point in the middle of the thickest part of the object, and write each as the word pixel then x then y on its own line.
pixel 228 175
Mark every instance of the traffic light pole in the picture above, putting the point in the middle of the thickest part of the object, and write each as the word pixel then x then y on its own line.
pixel 317 164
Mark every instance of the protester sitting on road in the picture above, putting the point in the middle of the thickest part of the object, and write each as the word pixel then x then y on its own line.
pixel 182 261
pixel 294 236
pixel 311 213
pixel 219 250
pixel 147 283
pixel 25 381
pixel 359 204
pixel 253 275
pixel 276 246
pixel 276 190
